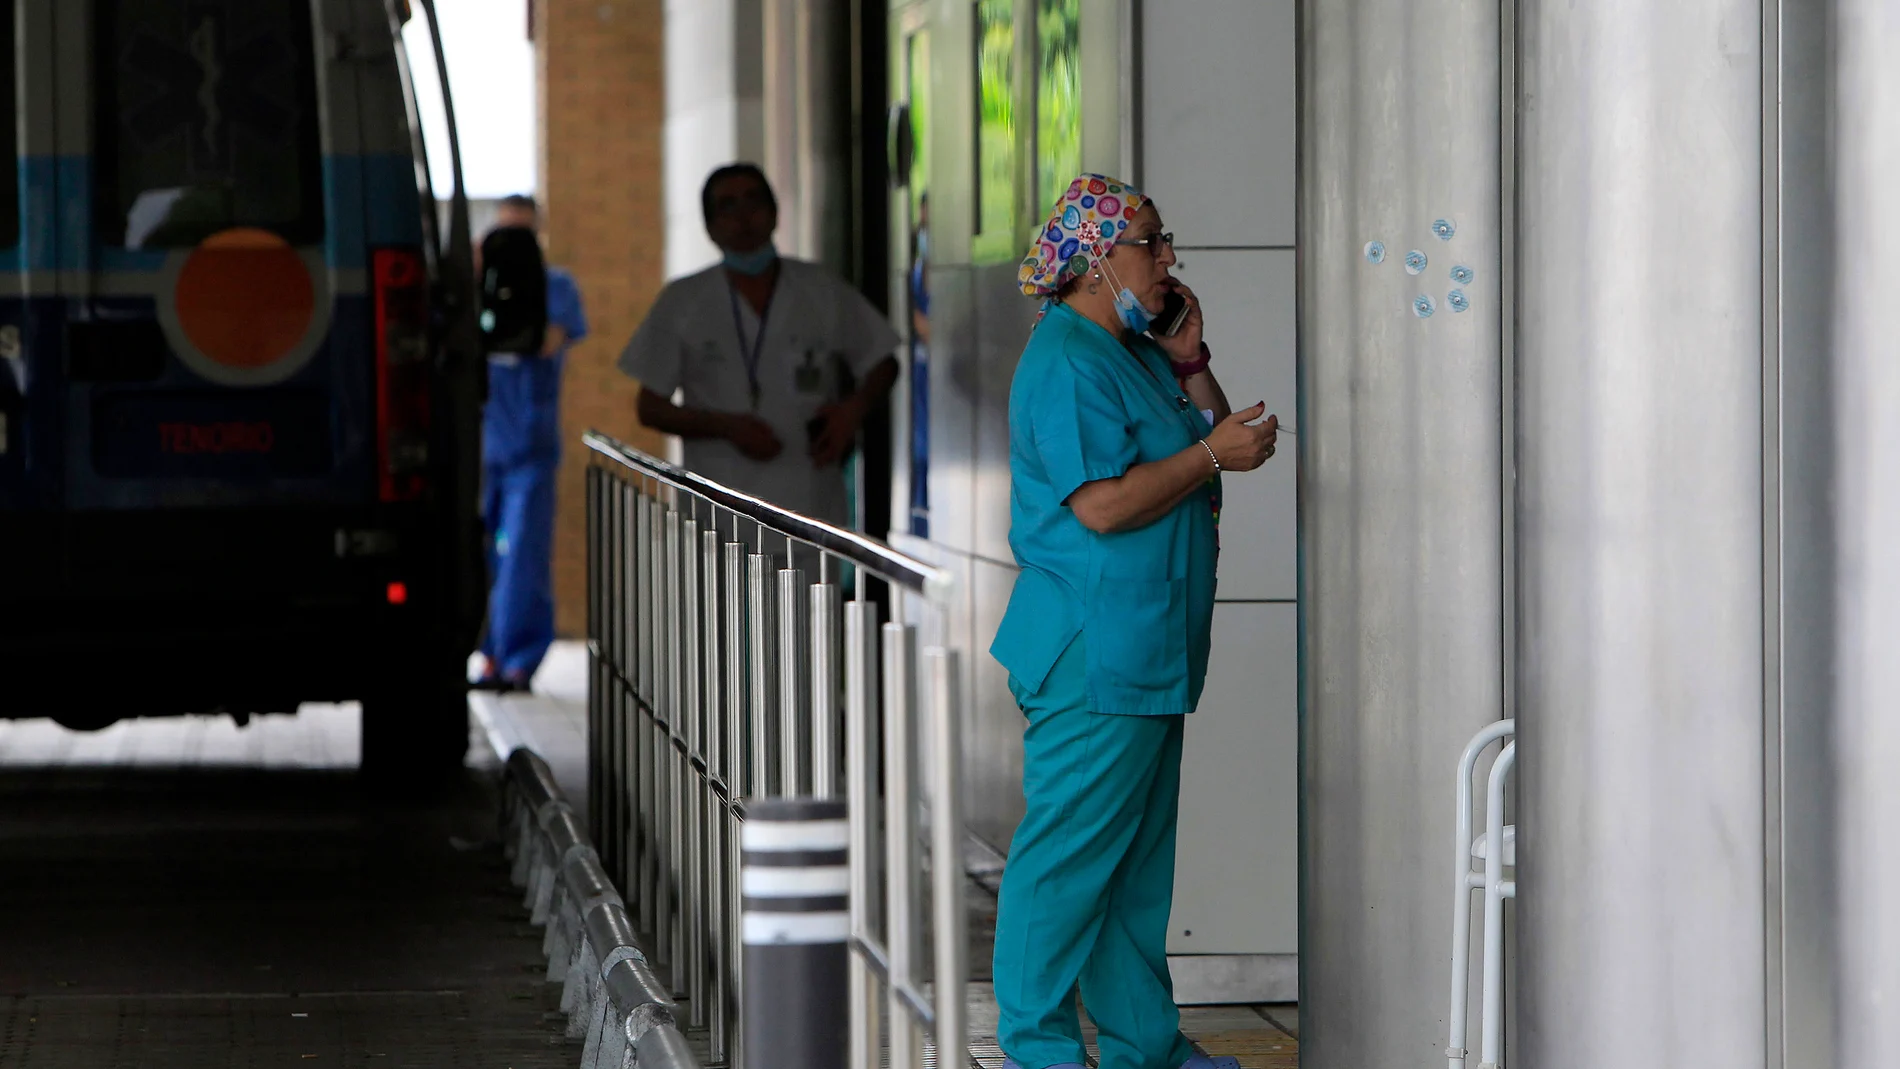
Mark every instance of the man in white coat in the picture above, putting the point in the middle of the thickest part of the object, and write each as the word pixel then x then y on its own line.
pixel 758 349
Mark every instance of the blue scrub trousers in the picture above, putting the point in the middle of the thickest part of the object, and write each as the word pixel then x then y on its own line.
pixel 518 508
pixel 521 452
pixel 1090 883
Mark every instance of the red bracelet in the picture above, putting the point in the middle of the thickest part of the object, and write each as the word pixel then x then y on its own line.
pixel 1186 371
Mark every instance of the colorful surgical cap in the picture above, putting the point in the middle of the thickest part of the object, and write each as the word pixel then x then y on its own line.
pixel 1079 232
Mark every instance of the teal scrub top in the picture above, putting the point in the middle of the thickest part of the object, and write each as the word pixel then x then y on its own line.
pixel 1082 407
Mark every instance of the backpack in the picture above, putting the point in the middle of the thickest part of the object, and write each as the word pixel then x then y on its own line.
pixel 514 292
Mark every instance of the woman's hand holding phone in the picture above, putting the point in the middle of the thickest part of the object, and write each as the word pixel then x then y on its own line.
pixel 1184 344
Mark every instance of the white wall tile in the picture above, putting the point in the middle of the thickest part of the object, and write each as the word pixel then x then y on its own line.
pixel 1248 298
pixel 1219 108
pixel 1236 885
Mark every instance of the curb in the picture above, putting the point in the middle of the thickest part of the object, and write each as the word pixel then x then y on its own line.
pixel 608 990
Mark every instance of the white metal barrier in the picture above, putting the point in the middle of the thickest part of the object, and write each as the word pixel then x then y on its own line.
pixel 1496 849
pixel 720 672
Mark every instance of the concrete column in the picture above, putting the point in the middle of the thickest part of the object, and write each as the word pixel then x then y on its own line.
pixel 1867 515
pixel 1640 536
pixel 1400 436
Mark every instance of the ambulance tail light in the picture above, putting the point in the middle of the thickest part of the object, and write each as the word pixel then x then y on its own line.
pixel 402 373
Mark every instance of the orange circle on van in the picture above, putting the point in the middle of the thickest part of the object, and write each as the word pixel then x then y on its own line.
pixel 245 298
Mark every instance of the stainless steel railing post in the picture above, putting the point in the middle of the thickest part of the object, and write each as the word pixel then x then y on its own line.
pixel 628 556
pixel 794 618
pixel 652 768
pixel 734 763
pixel 900 838
pixel 626 668
pixel 669 782
pixel 738 779
pixel 643 594
pixel 595 693
pixel 692 796
pixel 632 779
pixel 861 750
pixel 605 654
pixel 714 730
pixel 599 606
pixel 761 648
pixel 946 853
pixel 735 950
pixel 823 715
pixel 619 644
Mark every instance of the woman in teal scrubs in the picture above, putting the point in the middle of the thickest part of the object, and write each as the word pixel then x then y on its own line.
pixel 1117 444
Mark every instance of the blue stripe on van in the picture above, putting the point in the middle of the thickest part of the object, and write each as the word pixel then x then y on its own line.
pixel 73 186
pixel 369 201
pixel 343 199
pixel 132 261
pixel 393 207
pixel 39 226
pixel 380 190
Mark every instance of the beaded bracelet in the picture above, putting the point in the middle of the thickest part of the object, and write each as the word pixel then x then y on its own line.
pixel 1189 370
pixel 1211 455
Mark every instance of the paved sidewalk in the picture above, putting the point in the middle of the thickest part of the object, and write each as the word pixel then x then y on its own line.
pixel 551 720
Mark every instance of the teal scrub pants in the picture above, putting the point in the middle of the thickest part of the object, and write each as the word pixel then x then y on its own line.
pixel 1090 883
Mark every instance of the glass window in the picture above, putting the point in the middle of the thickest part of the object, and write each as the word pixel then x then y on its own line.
pixel 207 119
pixel 1058 98
pixel 917 54
pixel 995 123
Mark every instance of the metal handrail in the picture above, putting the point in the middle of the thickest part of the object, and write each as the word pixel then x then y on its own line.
pixel 865 552
pixel 725 673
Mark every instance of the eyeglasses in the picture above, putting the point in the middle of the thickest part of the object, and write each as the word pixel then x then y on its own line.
pixel 1152 241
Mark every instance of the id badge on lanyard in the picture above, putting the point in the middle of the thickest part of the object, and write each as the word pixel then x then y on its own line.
pixel 810 377
pixel 750 354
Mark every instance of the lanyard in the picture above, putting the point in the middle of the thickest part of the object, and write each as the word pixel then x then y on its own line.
pixel 750 356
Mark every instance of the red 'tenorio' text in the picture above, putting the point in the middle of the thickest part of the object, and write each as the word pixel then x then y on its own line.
pixel 193 438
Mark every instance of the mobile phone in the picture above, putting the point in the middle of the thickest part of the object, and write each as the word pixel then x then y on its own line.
pixel 1174 312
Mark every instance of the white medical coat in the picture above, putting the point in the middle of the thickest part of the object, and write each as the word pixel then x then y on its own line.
pixel 816 325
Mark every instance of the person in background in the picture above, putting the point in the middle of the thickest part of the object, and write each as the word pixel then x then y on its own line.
pixel 758 347
pixel 1117 442
pixel 521 451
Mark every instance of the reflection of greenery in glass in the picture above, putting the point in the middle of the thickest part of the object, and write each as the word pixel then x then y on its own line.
pixel 1058 89
pixel 995 145
pixel 919 48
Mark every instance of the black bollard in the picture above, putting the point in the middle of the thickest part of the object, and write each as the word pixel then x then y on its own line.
pixel 797 926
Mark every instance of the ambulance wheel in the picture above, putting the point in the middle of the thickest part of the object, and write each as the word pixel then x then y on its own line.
pixel 416 736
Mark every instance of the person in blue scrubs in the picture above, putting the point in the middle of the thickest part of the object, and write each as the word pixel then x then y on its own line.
pixel 1117 444
pixel 521 453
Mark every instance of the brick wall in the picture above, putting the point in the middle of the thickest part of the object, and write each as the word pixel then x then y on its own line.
pixel 602 115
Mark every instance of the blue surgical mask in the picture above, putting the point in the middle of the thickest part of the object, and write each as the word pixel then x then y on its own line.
pixel 1133 315
pixel 756 262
